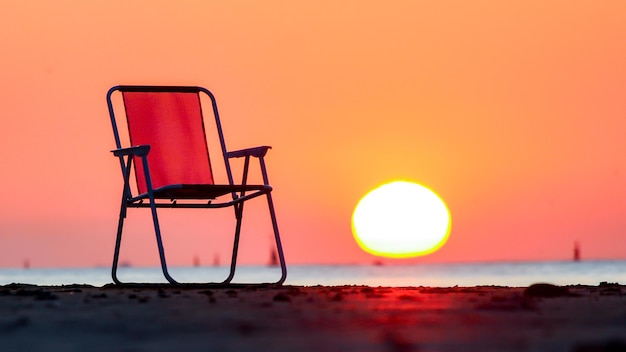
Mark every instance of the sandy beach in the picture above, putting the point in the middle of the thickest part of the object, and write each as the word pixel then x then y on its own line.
pixel 319 318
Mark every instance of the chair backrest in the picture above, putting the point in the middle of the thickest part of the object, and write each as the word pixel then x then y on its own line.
pixel 170 120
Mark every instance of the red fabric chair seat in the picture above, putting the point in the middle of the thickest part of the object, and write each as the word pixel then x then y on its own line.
pixel 203 191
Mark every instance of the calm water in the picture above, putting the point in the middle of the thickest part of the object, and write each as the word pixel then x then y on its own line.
pixel 442 275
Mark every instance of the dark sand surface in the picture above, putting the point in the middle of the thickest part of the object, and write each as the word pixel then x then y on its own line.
pixel 293 318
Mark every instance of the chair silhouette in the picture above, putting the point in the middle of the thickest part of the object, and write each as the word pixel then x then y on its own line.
pixel 168 150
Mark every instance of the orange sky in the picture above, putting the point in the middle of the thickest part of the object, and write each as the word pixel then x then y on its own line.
pixel 512 111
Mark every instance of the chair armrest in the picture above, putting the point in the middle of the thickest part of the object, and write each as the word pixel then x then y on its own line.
pixel 258 152
pixel 138 150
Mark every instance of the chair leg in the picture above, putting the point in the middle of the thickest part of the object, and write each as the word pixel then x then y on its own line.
pixel 118 241
pixel 233 259
pixel 270 204
pixel 279 247
pixel 157 231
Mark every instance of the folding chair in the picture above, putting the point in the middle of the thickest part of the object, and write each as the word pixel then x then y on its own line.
pixel 169 153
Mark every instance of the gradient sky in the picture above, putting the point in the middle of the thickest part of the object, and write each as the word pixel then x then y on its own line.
pixel 514 112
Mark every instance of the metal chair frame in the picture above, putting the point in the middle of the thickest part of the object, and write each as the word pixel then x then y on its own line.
pixel 156 198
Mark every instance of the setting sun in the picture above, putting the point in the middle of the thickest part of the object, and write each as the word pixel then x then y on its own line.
pixel 400 220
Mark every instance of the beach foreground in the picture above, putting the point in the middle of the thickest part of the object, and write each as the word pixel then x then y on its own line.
pixel 320 318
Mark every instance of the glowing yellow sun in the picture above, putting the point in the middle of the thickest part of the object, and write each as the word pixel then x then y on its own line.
pixel 401 219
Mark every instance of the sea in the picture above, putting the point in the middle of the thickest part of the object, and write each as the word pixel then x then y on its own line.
pixel 513 274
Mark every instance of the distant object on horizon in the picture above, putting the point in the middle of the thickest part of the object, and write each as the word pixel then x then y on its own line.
pixel 196 261
pixel 576 251
pixel 273 258
pixel 26 264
